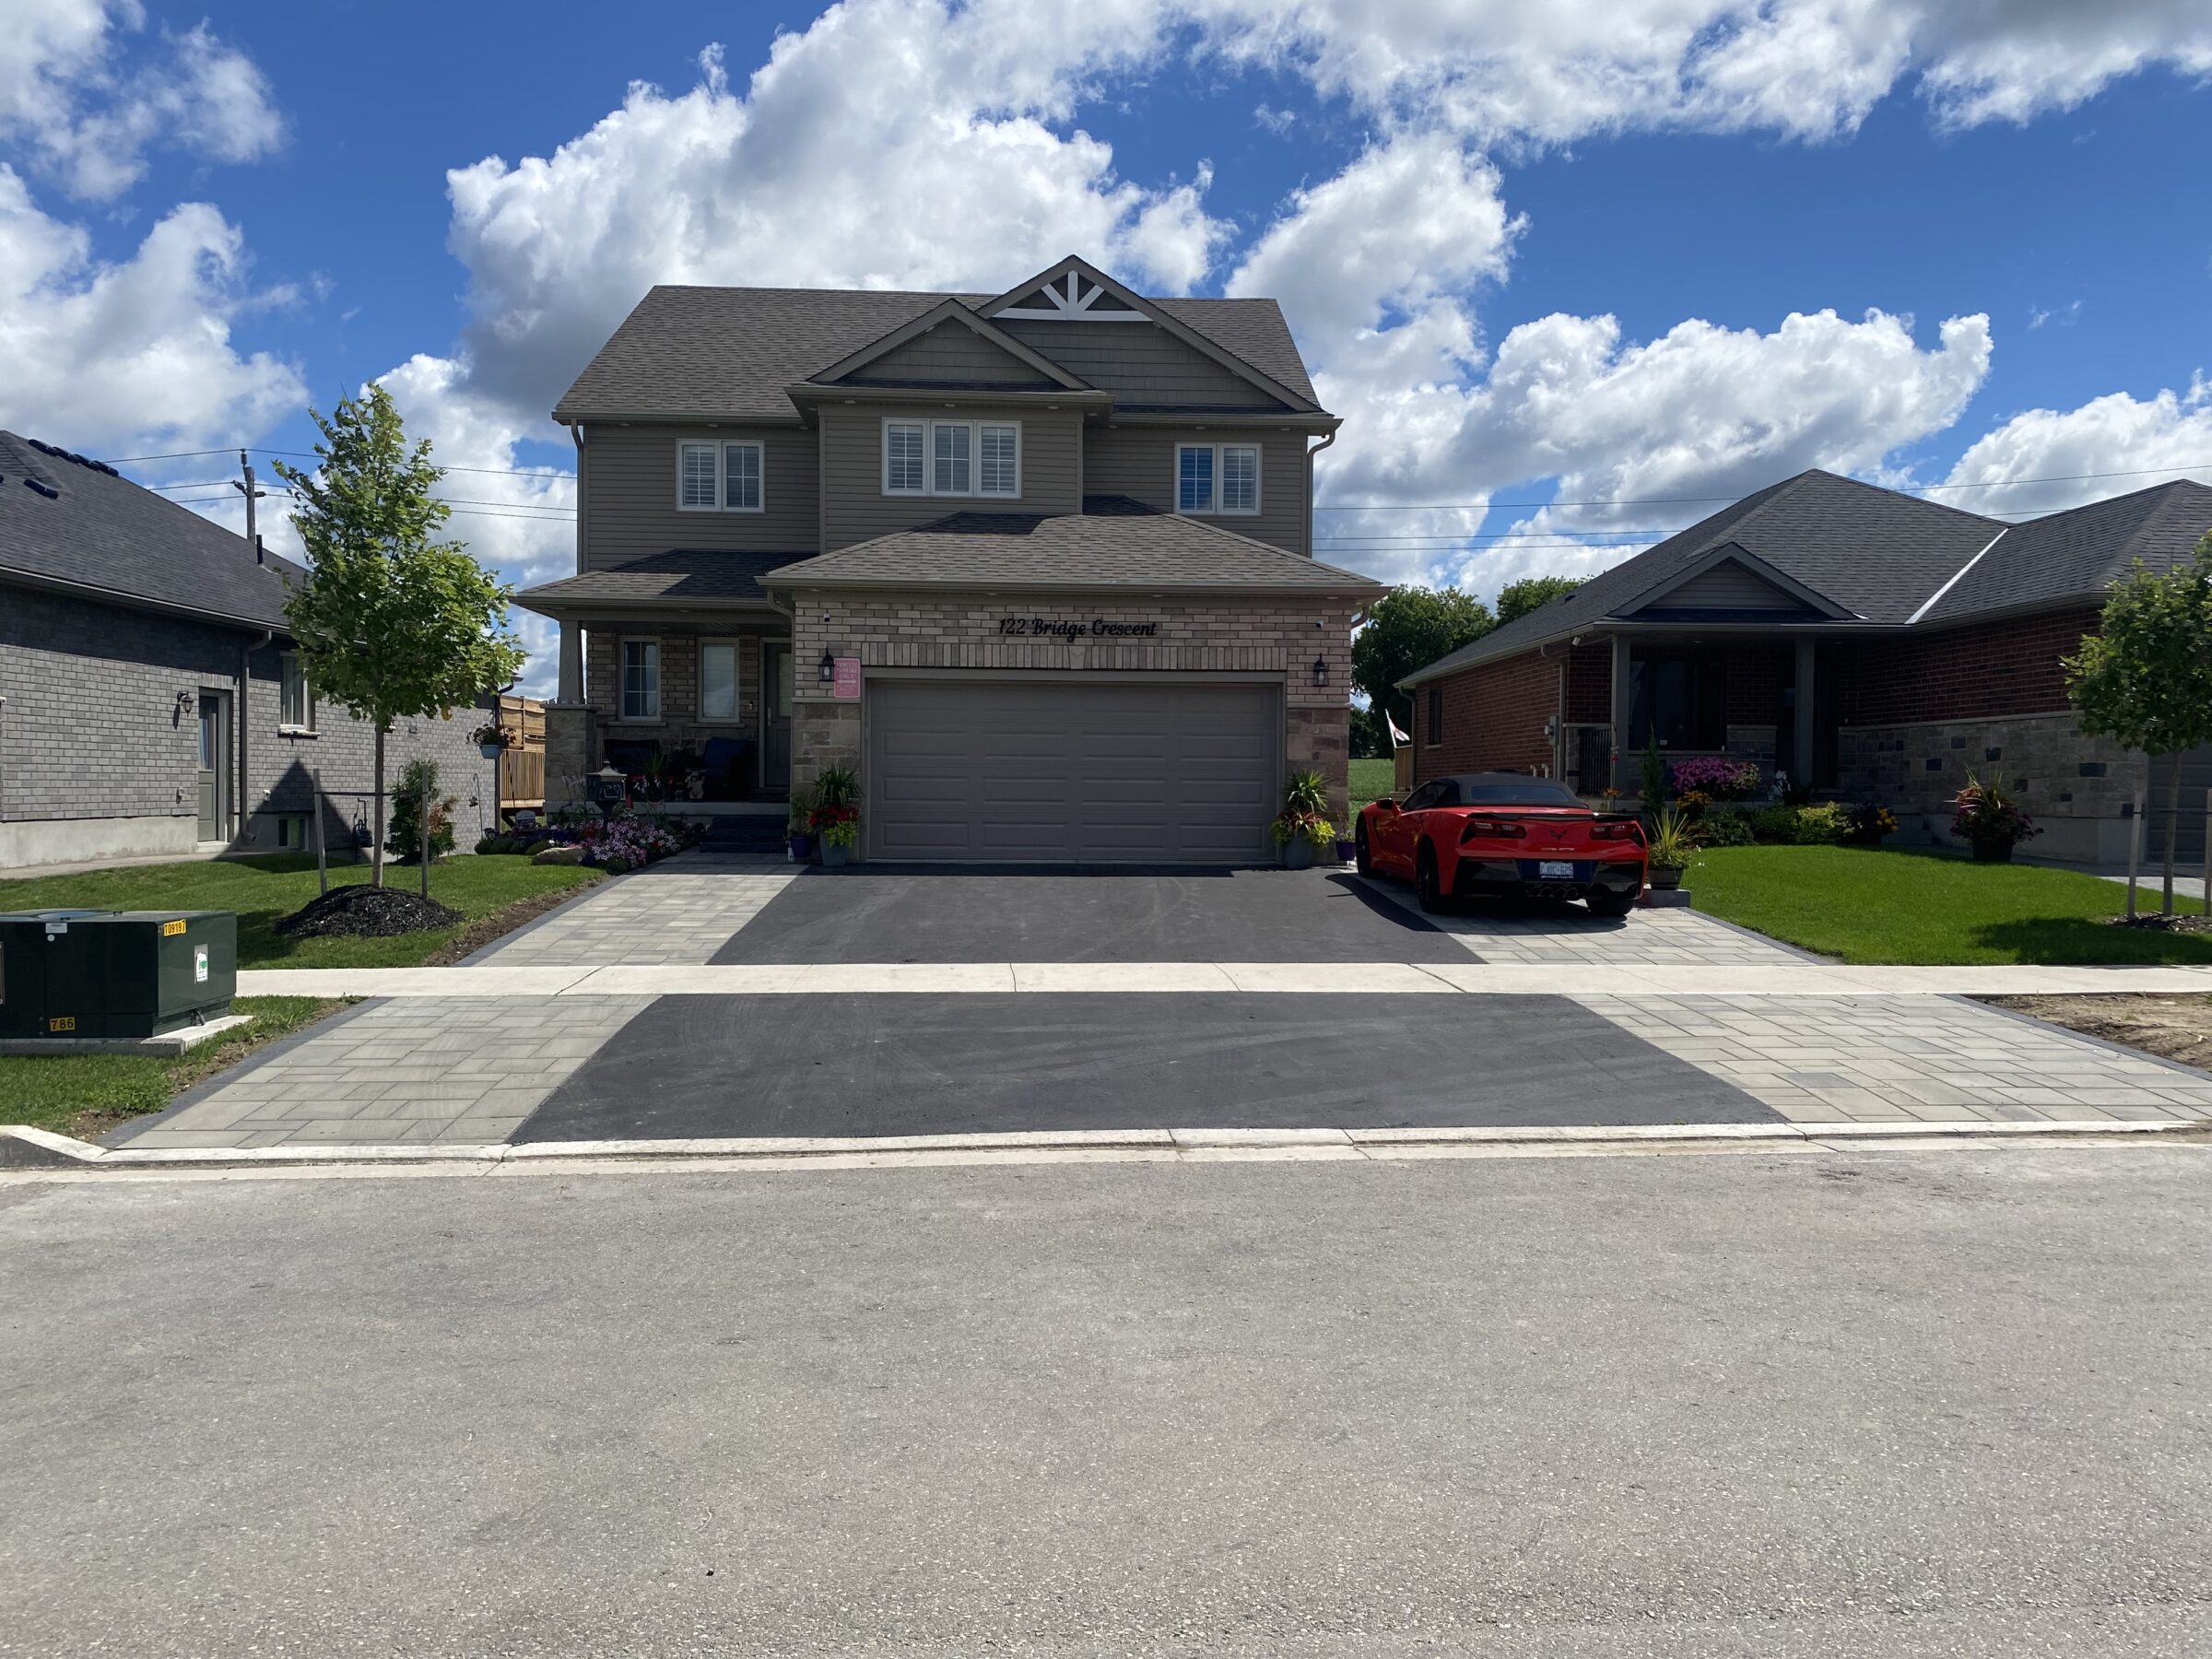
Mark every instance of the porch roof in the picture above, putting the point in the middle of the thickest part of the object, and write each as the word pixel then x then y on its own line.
pixel 680 577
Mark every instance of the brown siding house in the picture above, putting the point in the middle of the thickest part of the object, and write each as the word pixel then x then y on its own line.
pixel 1866 643
pixel 1036 564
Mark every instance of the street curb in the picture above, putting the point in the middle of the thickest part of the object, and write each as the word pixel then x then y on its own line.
pixel 23 1148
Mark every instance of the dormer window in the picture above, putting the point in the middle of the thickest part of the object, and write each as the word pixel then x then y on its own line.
pixel 1217 478
pixel 719 477
pixel 952 458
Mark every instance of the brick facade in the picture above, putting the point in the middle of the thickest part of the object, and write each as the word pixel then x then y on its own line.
pixel 2001 667
pixel 100 759
pixel 1269 638
pixel 1493 718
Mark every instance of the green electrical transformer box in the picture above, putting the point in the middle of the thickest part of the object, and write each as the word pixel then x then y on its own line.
pixel 114 973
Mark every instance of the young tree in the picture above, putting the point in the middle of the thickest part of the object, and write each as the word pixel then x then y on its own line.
pixel 1408 629
pixel 390 622
pixel 1516 599
pixel 2145 677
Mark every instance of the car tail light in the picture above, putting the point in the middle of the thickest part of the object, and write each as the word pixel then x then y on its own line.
pixel 1491 828
pixel 1619 829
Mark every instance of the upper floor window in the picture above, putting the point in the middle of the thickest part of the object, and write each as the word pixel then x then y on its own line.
pixel 295 704
pixel 952 458
pixel 718 477
pixel 1217 478
pixel 640 679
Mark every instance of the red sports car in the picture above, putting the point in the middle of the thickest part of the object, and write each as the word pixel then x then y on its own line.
pixel 1505 836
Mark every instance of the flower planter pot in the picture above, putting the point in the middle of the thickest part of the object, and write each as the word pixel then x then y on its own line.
pixel 1346 851
pixel 1993 852
pixel 491 751
pixel 1297 855
pixel 801 847
pixel 1663 879
pixel 835 857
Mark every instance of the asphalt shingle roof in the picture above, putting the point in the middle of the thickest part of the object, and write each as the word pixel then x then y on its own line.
pixel 730 352
pixel 2084 550
pixel 100 531
pixel 1112 542
pixel 1876 553
pixel 681 575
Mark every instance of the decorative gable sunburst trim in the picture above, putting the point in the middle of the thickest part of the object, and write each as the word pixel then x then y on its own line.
pixel 951 311
pixel 1073 296
pixel 1081 271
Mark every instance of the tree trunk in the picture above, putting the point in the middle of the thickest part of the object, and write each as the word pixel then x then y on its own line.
pixel 376 830
pixel 2173 827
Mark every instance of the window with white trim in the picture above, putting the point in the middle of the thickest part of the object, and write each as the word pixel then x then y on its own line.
pixel 718 679
pixel 640 679
pixel 719 476
pixel 1217 478
pixel 952 458
pixel 295 703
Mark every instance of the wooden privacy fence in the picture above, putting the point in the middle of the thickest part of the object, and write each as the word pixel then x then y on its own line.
pixel 522 770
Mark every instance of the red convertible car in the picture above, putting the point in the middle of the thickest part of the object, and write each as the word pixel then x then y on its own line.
pixel 1505 836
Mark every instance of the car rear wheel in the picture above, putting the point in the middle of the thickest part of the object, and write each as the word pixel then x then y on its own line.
pixel 1425 884
pixel 1603 904
pixel 1361 857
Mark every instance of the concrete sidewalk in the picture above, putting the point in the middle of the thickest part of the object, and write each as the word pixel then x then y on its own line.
pixel 1784 977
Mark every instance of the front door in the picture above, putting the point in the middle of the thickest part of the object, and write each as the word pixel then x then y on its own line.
pixel 215 766
pixel 775 715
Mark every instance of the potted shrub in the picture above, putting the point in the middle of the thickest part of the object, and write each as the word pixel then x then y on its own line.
pixel 1668 849
pixel 1303 823
pixel 838 840
pixel 1988 819
pixel 798 826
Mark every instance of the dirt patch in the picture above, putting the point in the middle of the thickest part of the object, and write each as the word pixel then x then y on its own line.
pixel 500 923
pixel 365 912
pixel 2172 1028
pixel 2157 921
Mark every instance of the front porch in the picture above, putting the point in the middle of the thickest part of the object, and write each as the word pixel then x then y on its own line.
pixel 1769 702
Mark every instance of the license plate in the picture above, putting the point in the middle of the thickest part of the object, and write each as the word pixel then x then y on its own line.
pixel 1552 869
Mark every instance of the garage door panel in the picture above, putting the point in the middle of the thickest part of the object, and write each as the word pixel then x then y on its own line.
pixel 1103 771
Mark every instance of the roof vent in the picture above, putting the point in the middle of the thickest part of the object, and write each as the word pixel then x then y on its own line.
pixel 44 488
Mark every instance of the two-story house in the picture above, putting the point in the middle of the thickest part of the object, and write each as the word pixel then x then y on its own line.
pixel 1038 565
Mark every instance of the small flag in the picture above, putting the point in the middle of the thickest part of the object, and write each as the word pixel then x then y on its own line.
pixel 1397 738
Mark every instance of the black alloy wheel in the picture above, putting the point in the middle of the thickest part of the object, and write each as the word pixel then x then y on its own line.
pixel 1363 860
pixel 1425 880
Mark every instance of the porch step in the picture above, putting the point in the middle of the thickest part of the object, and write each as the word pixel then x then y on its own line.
pixel 754 830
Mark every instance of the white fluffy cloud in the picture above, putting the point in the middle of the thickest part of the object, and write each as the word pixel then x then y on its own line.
pixel 2107 446
pixel 895 143
pixel 134 354
pixel 88 117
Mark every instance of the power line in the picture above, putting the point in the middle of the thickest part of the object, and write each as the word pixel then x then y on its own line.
pixel 502 472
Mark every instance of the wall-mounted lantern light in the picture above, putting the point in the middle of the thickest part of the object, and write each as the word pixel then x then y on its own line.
pixel 1321 670
pixel 828 671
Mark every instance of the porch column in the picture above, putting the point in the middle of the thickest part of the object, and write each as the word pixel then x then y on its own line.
pixel 1617 774
pixel 571 662
pixel 1803 712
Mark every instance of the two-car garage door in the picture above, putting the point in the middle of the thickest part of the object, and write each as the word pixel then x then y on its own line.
pixel 1075 772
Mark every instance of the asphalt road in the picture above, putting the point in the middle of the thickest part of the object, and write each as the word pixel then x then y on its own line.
pixel 905 1063
pixel 1944 1403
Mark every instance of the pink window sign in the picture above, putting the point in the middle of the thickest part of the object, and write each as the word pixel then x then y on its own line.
pixel 845 682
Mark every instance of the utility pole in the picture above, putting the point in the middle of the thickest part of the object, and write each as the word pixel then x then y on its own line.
pixel 251 495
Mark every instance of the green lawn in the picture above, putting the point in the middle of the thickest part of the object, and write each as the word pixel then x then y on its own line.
pixel 87 1095
pixel 1372 780
pixel 1867 904
pixel 263 890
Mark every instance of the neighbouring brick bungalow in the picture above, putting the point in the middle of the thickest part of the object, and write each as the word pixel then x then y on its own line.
pixel 150 699
pixel 1877 645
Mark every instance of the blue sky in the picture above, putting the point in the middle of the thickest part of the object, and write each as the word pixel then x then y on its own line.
pixel 1534 253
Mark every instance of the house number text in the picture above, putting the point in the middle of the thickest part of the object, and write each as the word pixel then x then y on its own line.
pixel 1099 628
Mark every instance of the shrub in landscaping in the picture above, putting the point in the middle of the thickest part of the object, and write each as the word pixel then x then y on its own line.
pixel 1871 823
pixel 418 783
pixel 1717 777
pixel 1823 824
pixel 1774 824
pixel 1723 829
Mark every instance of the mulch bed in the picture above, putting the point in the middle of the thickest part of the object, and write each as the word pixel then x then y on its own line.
pixel 365 912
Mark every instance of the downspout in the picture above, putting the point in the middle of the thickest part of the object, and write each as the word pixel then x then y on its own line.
pixel 245 691
pixel 1310 454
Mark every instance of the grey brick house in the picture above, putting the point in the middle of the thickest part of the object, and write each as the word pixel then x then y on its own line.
pixel 148 702
pixel 1873 646
pixel 1037 564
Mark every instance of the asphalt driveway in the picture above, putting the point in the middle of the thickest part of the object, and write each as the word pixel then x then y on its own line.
pixel 913 1065
pixel 892 914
